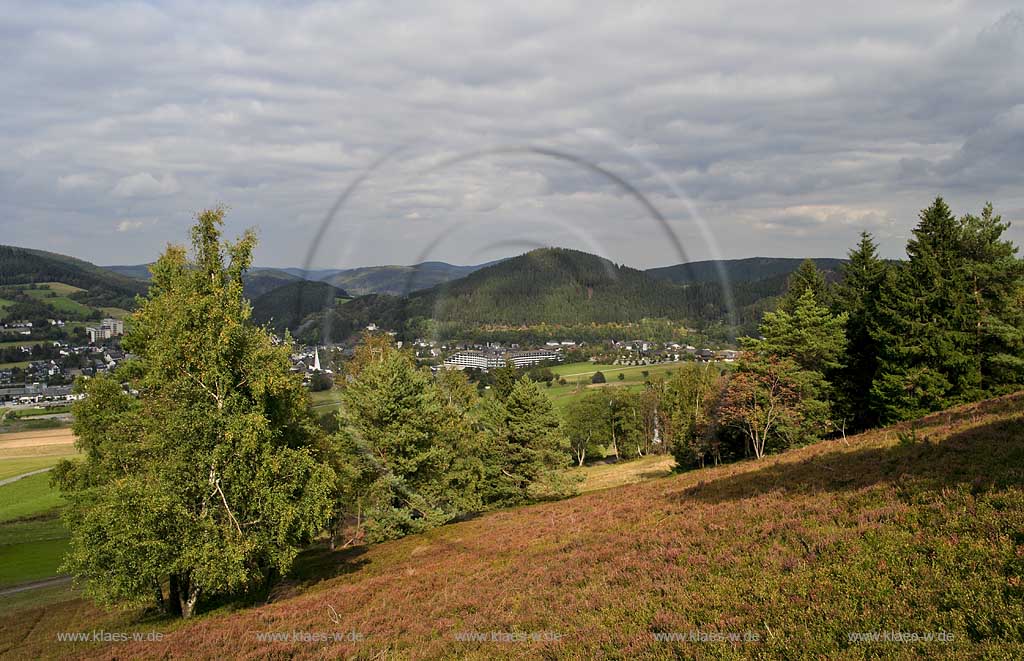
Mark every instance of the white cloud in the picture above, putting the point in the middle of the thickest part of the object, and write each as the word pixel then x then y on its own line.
pixel 143 184
pixel 130 225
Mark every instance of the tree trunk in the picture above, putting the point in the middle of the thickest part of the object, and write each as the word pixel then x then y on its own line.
pixel 174 596
pixel 189 597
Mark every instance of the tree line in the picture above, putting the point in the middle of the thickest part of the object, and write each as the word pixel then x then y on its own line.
pixel 890 341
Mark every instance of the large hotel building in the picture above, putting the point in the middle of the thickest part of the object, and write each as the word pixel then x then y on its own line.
pixel 488 360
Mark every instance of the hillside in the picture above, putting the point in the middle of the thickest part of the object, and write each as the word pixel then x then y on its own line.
pixel 569 287
pixel 739 270
pixel 550 285
pixel 398 280
pixel 285 307
pixel 257 281
pixel 802 550
pixel 20 266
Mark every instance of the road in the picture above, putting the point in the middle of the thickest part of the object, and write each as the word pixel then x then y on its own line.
pixel 28 474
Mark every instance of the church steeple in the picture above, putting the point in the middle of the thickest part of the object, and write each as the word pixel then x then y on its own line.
pixel 316 359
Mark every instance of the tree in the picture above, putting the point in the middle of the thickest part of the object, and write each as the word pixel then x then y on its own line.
pixel 528 451
pixel 598 377
pixel 587 424
pixel 688 403
pixel 766 401
pixel 857 295
pixel 811 335
pixel 807 276
pixel 621 376
pixel 505 378
pixel 396 448
pixel 995 281
pixel 206 484
pixel 950 325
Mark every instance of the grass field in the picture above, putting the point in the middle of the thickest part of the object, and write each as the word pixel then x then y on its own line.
pixel 115 313
pixel 57 296
pixel 27 497
pixel 799 551
pixel 23 343
pixel 605 476
pixel 34 412
pixel 578 375
pixel 20 364
pixel 32 539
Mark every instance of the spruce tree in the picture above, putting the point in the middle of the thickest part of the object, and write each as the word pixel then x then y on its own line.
pixel 925 356
pixel 857 295
pixel 527 450
pixel 396 445
pixel 995 281
pixel 807 276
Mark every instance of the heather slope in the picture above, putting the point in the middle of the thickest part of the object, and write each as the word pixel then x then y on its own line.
pixel 888 532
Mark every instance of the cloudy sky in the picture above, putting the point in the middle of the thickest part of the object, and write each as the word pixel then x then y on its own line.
pixel 479 132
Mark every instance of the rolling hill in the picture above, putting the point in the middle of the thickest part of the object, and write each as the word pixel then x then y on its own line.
pixel 257 281
pixel 103 288
pixel 806 554
pixel 398 280
pixel 561 286
pixel 286 306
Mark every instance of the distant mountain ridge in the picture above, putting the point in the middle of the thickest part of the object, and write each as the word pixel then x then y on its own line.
pixel 740 270
pixel 545 286
pixel 389 279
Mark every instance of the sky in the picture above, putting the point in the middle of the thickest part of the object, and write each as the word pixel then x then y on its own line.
pixel 650 133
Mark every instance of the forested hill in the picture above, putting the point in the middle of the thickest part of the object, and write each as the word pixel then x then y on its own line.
pixel 562 286
pixel 750 269
pixel 552 285
pixel 20 266
pixel 286 306
pixel 398 280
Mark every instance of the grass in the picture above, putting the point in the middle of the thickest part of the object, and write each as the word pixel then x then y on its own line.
pixel 20 364
pixel 800 550
pixel 26 497
pixel 42 597
pixel 10 467
pixel 61 301
pixel 115 313
pixel 31 561
pixel 633 379
pixel 325 400
pixel 31 413
pixel 612 474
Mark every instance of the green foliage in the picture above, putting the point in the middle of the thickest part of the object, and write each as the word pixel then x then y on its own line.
pixel 398 449
pixel 809 334
pixel 950 321
pixel 858 295
pixel 526 449
pixel 598 377
pixel 805 278
pixel 206 483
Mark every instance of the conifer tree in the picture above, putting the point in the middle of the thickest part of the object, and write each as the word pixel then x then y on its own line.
pixel 924 329
pixel 397 445
pixel 857 295
pixel 807 276
pixel 527 450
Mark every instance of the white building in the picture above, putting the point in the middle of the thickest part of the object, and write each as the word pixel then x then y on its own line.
pixel 488 360
pixel 107 329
